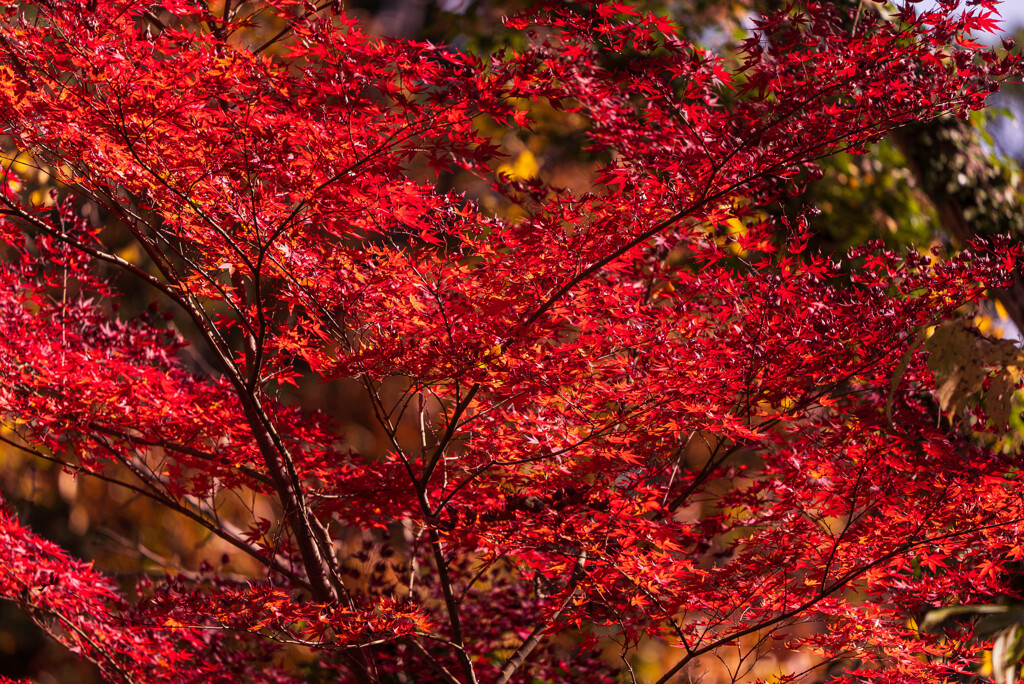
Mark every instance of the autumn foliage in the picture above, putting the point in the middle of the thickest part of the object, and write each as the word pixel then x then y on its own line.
pixel 643 412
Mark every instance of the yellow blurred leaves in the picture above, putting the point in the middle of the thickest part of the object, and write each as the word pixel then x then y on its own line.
pixel 132 253
pixel 524 167
pixel 21 169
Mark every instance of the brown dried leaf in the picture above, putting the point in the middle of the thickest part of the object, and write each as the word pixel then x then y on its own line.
pixel 961 359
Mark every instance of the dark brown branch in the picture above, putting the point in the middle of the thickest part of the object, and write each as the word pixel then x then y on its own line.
pixel 444 672
pixel 449 434
pixel 452 605
pixel 291 25
pixel 173 505
pixel 516 660
pixel 175 446
pixel 824 593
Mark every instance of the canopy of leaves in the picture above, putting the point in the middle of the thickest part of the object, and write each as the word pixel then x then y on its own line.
pixel 641 410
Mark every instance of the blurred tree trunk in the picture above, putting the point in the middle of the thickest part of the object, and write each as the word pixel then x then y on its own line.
pixel 974 195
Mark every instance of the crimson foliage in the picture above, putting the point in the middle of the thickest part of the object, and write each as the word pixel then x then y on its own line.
pixel 643 412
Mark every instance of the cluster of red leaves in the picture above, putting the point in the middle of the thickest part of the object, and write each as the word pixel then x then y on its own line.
pixel 83 610
pixel 561 369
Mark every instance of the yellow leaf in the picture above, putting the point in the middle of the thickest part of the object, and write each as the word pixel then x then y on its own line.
pixel 523 168
pixel 1001 311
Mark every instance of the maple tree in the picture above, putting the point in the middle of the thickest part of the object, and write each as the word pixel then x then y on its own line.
pixel 641 413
